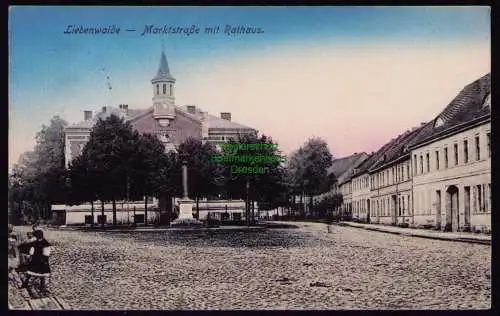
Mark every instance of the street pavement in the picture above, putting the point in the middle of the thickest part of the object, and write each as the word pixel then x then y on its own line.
pixel 304 268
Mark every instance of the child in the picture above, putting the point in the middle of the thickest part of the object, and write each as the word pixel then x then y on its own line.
pixel 39 264
pixel 24 255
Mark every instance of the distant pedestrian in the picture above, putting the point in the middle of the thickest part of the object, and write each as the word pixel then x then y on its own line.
pixel 39 263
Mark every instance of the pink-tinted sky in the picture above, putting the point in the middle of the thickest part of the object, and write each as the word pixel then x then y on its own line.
pixel 355 85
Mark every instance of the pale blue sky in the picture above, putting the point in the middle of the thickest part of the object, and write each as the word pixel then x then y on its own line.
pixel 55 73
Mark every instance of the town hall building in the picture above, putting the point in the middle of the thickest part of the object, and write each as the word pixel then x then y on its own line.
pixel 171 123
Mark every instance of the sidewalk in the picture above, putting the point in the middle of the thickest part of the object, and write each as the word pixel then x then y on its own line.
pixel 23 299
pixel 423 233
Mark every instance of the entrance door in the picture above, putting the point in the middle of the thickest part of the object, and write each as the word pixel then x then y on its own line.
pixel 368 211
pixel 394 208
pixel 467 208
pixel 438 209
pixel 452 219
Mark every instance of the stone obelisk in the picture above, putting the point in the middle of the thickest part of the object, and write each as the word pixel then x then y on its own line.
pixel 185 204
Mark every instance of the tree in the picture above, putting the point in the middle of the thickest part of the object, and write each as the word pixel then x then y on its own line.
pixel 203 180
pixel 309 169
pixel 145 164
pixel 264 188
pixel 39 179
pixel 110 154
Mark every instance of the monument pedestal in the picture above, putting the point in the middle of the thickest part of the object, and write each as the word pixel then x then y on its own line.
pixel 186 209
pixel 186 218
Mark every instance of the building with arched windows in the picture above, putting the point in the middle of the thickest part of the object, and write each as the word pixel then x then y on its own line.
pixel 171 123
pixel 437 175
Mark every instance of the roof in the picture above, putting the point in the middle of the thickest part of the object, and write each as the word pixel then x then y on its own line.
pixel 131 114
pixel 163 70
pixel 215 122
pixel 397 149
pixel 375 157
pixel 341 166
pixel 466 107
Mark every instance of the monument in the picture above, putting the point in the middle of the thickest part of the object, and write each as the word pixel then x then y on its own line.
pixel 185 204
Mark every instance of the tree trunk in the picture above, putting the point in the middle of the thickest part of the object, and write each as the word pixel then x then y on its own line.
pixel 114 212
pixel 92 212
pixel 145 210
pixel 197 208
pixel 311 205
pixel 102 213
pixel 253 211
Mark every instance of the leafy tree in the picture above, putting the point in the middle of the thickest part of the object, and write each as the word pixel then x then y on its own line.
pixel 203 180
pixel 309 169
pixel 39 179
pixel 110 154
pixel 266 188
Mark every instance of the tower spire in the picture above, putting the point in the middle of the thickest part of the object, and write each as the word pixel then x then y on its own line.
pixel 163 72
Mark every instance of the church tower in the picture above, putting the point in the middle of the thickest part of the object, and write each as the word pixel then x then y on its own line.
pixel 163 94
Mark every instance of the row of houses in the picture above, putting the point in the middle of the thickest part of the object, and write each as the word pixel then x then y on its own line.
pixel 436 175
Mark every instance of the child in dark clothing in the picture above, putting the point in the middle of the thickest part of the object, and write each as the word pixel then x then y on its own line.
pixel 39 263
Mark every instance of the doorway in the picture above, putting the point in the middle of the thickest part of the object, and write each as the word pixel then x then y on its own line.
pixel 368 211
pixel 467 209
pixel 394 208
pixel 438 209
pixel 452 218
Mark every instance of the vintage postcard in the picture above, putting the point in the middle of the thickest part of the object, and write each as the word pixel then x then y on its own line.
pixel 249 158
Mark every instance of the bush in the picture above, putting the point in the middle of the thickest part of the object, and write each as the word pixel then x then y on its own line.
pixel 404 225
pixel 186 222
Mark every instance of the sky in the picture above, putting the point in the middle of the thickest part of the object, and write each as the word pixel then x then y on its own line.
pixel 354 76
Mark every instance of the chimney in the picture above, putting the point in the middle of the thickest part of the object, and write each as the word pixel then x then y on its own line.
pixel 191 109
pixel 124 108
pixel 103 109
pixel 120 106
pixel 225 116
pixel 87 115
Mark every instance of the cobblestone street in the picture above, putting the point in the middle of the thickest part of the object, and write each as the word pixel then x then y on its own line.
pixel 305 268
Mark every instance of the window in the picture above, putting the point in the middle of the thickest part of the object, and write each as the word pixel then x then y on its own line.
pixel 446 157
pixel 478 148
pixel 488 143
pixel 455 153
pixel 427 160
pixel 157 89
pixel 393 175
pixel 403 204
pixel 408 171
pixel 164 89
pixel 479 198
pixel 88 219
pixel 466 151
pixel 414 164
pixel 489 196
pixel 171 90
pixel 421 164
pixel 437 159
pixel 399 206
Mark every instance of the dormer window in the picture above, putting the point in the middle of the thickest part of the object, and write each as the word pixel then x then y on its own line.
pixel 157 89
pixel 164 89
pixel 439 122
pixel 487 101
